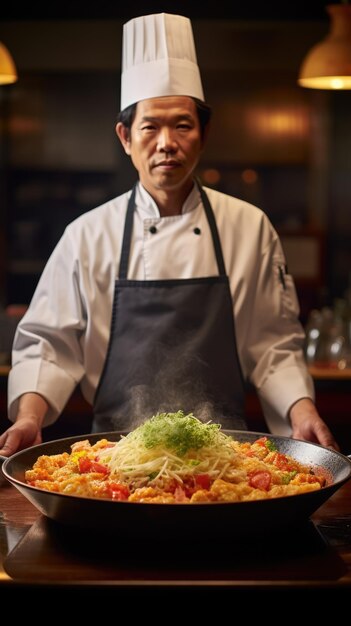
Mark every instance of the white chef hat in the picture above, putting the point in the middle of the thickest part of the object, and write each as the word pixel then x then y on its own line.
pixel 159 59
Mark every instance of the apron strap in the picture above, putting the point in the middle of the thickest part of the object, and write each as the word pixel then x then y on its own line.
pixel 127 236
pixel 214 230
pixel 128 229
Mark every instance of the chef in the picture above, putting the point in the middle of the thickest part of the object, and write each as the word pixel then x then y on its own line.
pixel 171 296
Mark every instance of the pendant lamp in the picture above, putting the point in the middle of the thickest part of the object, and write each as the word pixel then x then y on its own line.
pixel 8 73
pixel 328 64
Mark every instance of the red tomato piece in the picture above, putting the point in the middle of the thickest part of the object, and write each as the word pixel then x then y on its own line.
pixel 118 491
pixel 261 441
pixel 260 479
pixel 203 481
pixel 282 462
pixel 84 465
pixel 99 467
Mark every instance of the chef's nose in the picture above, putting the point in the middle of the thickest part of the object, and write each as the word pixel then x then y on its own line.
pixel 166 140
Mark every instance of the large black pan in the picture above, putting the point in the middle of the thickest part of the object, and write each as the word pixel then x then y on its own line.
pixel 153 520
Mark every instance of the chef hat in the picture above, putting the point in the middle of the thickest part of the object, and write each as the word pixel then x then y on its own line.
pixel 159 59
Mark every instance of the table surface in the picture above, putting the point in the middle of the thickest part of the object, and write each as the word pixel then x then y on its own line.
pixel 37 551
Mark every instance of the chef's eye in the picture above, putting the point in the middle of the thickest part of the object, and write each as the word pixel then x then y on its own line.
pixel 148 127
pixel 184 126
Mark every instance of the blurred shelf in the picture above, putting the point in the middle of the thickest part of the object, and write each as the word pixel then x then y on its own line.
pixel 329 373
pixel 319 373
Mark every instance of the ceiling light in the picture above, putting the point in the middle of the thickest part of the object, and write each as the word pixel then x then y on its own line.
pixel 328 64
pixel 8 73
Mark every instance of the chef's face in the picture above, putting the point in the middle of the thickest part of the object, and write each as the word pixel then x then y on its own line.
pixel 164 142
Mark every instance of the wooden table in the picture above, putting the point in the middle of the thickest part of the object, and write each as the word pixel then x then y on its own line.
pixel 42 556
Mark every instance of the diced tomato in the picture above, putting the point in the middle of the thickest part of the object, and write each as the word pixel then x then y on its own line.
pixel 259 479
pixel 99 467
pixel 203 481
pixel 261 441
pixel 86 465
pixel 191 484
pixel 282 462
pixel 118 491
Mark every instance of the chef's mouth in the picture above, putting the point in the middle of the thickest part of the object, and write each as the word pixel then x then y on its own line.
pixel 169 163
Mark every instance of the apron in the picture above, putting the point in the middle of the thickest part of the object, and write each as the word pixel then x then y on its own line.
pixel 172 347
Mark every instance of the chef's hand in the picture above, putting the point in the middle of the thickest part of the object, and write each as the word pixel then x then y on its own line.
pixel 26 431
pixel 22 434
pixel 309 426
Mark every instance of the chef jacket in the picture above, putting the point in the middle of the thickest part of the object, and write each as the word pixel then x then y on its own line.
pixel 62 339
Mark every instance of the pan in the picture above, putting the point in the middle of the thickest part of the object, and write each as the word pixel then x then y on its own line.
pixel 153 521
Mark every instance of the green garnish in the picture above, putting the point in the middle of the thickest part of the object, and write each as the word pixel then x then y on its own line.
pixel 288 476
pixel 177 432
pixel 271 445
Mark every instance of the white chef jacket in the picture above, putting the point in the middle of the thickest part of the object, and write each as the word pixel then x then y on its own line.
pixel 62 339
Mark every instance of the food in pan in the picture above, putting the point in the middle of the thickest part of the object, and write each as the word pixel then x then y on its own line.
pixel 175 458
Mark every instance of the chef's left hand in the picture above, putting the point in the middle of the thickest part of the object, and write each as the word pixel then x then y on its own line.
pixel 309 426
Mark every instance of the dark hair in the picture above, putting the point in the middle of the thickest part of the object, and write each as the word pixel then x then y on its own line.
pixel 204 112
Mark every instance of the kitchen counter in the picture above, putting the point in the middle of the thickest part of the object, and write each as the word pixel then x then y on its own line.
pixel 329 373
pixel 318 373
pixel 40 556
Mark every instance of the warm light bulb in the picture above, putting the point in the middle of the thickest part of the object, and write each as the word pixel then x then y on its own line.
pixel 338 83
pixel 328 64
pixel 326 82
pixel 8 72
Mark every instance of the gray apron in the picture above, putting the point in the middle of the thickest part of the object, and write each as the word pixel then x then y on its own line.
pixel 172 347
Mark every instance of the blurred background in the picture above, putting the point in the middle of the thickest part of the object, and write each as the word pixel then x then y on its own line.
pixel 272 143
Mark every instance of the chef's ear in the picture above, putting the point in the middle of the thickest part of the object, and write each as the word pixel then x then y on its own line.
pixel 123 134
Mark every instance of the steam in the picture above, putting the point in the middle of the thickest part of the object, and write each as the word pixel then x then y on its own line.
pixel 178 385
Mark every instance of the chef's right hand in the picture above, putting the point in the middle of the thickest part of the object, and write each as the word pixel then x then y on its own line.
pixel 24 433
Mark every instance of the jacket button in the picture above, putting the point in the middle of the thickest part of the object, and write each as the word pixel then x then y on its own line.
pixel 152 230
pixel 197 231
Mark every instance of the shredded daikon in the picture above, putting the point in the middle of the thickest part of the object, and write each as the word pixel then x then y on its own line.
pixel 172 446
